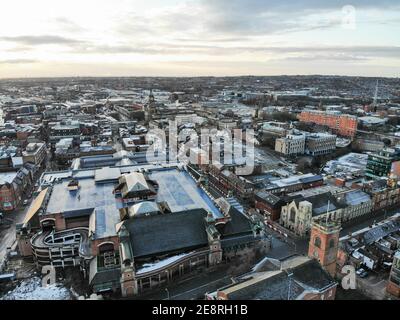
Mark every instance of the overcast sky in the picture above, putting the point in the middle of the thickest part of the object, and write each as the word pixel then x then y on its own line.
pixel 199 37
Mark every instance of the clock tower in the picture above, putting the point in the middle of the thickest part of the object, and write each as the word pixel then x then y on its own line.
pixel 324 241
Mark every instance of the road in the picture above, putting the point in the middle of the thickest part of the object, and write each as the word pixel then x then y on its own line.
pixel 7 236
pixel 300 246
pixel 192 288
pixel 369 221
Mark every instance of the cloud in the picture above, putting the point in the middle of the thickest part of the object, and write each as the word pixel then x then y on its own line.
pixel 40 40
pixel 18 61
pixel 66 24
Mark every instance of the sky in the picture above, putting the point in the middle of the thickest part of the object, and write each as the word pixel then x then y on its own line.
pixel 47 38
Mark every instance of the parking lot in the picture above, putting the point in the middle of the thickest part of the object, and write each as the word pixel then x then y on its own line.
pixel 374 285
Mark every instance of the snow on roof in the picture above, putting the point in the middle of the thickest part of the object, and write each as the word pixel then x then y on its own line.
pixel 136 181
pixel 160 264
pixel 7 177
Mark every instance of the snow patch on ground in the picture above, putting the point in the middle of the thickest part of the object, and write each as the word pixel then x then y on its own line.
pixel 31 289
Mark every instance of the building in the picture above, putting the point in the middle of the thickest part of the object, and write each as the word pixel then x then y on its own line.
pixel 128 112
pixel 292 144
pixel 131 229
pixel 294 278
pixel 60 131
pixel 292 184
pixel 385 195
pixel 341 124
pixel 320 143
pixel 13 185
pixel 369 121
pixel 35 153
pixel 380 164
pixel 226 182
pixel 373 247
pixel 269 204
pixel 299 214
pixel 357 203
pixel 368 145
pixel 275 129
pixel 324 242
pixel 393 286
pixel 66 150
pixel 134 143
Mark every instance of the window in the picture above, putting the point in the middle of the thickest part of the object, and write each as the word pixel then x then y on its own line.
pixel 317 242
pixel 331 243
pixel 292 215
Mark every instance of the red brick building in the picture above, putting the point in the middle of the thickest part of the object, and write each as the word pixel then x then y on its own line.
pixel 341 124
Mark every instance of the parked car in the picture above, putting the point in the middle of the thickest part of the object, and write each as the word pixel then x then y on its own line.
pixel 362 273
pixel 26 201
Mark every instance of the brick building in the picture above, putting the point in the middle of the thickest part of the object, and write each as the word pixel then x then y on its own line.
pixel 341 124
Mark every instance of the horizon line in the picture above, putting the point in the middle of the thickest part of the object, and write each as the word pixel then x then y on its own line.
pixel 200 76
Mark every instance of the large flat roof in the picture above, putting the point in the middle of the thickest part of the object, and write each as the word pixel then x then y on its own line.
pixel 181 192
pixel 95 194
pixel 90 198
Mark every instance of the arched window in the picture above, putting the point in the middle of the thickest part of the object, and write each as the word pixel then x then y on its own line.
pixel 317 242
pixel 106 247
pixel 331 243
pixel 292 215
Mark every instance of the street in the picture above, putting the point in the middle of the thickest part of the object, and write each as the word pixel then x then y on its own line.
pixel 7 235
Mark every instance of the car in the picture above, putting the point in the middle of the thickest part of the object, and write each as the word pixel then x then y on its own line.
pixel 362 273
pixel 26 201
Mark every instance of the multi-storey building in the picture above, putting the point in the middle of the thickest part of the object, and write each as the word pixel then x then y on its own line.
pixel 13 185
pixel 357 204
pixel 292 144
pixel 320 143
pixel 385 194
pixel 60 131
pixel 341 124
pixel 35 153
pixel 228 183
pixel 380 164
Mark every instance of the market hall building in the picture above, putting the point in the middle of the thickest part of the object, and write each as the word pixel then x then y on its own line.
pixel 131 229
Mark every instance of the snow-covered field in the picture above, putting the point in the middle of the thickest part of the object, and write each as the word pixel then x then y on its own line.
pixel 31 289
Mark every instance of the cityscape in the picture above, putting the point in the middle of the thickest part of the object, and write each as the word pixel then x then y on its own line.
pixel 200 186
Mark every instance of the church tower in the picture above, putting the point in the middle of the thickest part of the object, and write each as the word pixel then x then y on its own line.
pixel 324 241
